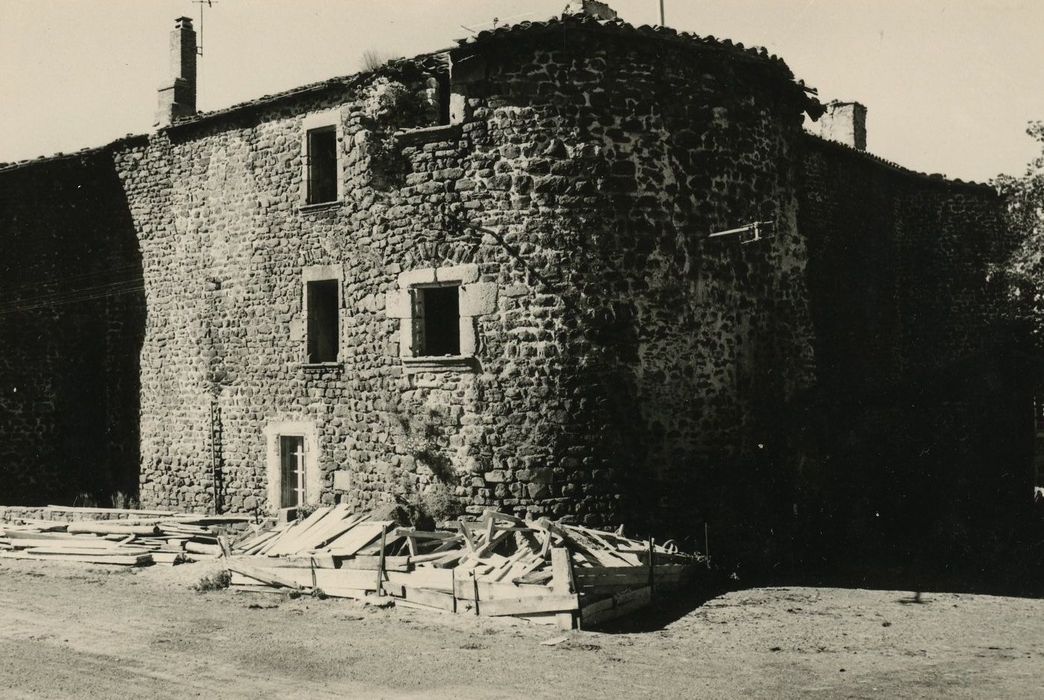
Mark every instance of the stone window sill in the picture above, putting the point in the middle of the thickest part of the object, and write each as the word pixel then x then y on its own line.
pixel 321 366
pixel 449 363
pixel 427 134
pixel 320 206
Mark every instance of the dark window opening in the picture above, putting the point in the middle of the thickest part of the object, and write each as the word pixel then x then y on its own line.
pixel 322 165
pixel 323 331
pixel 443 95
pixel 292 471
pixel 436 321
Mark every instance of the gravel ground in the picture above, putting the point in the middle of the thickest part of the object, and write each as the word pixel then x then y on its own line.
pixel 70 630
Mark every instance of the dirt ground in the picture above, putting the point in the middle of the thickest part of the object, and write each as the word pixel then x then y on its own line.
pixel 71 630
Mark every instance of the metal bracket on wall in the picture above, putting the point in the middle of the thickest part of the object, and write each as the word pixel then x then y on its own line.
pixel 760 229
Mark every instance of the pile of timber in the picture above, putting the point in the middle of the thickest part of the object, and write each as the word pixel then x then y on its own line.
pixel 499 565
pixel 168 538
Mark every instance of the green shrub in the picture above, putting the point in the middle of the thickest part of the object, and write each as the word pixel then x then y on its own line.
pixel 214 582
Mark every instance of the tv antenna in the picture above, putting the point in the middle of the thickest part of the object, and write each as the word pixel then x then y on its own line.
pixel 497 21
pixel 201 3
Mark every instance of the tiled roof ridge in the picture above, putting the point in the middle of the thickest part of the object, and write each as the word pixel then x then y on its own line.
pixel 892 165
pixel 658 31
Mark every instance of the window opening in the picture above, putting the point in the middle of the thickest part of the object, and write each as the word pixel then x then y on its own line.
pixel 292 467
pixel 323 331
pixel 443 93
pixel 322 165
pixel 436 320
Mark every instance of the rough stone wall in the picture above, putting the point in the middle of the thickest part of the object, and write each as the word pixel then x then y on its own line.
pixel 626 367
pixel 71 319
pixel 921 417
pixel 624 351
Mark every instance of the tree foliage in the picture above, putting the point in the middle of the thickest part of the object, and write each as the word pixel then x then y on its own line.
pixel 1025 200
pixel 1023 274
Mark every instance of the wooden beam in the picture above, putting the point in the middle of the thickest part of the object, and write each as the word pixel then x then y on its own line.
pixel 435 599
pixel 530 605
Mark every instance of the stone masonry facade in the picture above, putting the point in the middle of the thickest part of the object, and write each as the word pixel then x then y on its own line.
pixel 613 362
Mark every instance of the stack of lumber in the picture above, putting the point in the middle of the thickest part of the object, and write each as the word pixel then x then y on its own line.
pixel 499 565
pixel 126 542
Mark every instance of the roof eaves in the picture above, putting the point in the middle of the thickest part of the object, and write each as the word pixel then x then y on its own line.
pixel 61 156
pixel 938 178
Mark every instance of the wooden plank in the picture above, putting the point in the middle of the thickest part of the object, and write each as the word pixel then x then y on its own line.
pixel 197 548
pixel 104 528
pixel 435 599
pixel 490 513
pixel 291 532
pixel 90 551
pixel 611 576
pixel 319 560
pixel 464 589
pixel 111 511
pixel 287 544
pixel 380 561
pixel 254 588
pixel 59 539
pixel 448 559
pixel 114 559
pixel 263 574
pixel 604 555
pixel 467 537
pixel 424 534
pixel 203 520
pixel 38 525
pixel 419 606
pixel 338 528
pixel 424 577
pixel 304 577
pixel 538 576
pixel 252 540
pixel 371 563
pixel 374 548
pixel 356 538
pixel 312 537
pixel 530 605
pixel 562 583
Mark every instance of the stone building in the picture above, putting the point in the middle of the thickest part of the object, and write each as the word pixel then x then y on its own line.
pixel 484 277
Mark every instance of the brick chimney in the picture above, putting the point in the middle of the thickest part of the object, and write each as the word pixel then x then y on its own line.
pixel 844 122
pixel 592 8
pixel 177 98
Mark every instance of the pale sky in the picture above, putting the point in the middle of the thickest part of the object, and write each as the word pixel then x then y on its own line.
pixel 949 84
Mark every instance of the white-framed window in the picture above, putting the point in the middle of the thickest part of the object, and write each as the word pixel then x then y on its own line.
pixel 292 449
pixel 322 164
pixel 292 482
